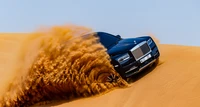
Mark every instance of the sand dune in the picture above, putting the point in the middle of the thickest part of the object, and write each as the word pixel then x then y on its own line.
pixel 175 82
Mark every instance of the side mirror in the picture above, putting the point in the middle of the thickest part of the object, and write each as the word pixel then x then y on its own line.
pixel 118 36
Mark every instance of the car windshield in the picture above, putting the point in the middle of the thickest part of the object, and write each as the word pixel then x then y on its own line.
pixel 108 40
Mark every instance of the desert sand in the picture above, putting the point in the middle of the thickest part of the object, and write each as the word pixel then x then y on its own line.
pixel 175 82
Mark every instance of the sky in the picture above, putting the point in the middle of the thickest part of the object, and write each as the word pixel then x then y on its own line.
pixel 171 21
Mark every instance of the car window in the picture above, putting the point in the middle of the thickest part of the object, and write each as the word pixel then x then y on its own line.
pixel 108 40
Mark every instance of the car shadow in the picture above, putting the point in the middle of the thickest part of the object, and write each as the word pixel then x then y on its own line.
pixel 53 103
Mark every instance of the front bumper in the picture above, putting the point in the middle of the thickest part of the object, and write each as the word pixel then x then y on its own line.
pixel 135 67
pixel 132 72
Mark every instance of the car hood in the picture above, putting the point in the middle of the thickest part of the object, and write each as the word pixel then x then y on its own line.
pixel 124 45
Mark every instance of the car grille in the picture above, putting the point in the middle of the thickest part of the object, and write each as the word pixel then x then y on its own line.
pixel 140 51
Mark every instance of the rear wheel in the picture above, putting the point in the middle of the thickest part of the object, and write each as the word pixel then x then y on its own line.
pixel 112 78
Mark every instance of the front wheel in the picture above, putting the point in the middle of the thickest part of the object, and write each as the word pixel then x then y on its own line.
pixel 156 62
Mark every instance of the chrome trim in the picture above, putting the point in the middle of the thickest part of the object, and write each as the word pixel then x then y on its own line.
pixel 138 46
pixel 155 54
pixel 149 41
pixel 147 64
pixel 141 68
pixel 126 58
pixel 132 68
pixel 116 66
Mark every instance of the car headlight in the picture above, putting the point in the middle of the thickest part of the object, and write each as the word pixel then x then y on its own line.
pixel 149 41
pixel 123 58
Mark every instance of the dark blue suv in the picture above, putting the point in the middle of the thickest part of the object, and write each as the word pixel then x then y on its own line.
pixel 129 56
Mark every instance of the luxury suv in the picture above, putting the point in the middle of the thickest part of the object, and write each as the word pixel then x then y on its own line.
pixel 129 56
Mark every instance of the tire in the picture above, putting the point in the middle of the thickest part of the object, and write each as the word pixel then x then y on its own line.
pixel 156 62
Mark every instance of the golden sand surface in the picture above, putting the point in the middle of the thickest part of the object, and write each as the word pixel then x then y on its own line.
pixel 175 82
